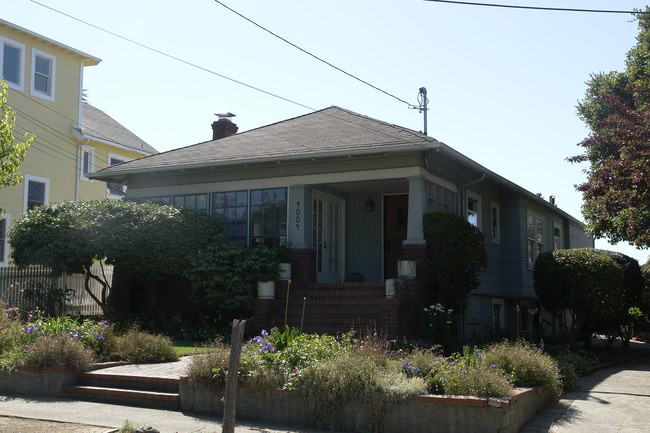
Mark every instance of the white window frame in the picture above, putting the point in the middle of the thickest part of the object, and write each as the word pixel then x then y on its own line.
pixel 536 242
pixel 558 241
pixel 4 257
pixel 91 163
pixel 477 198
pixel 495 222
pixel 21 73
pixel 36 92
pixel 31 178
pixel 122 158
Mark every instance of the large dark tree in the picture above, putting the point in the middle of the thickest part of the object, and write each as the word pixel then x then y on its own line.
pixel 148 242
pixel 616 107
pixel 455 255
pixel 584 289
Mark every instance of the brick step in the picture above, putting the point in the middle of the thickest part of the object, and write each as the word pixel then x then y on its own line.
pixel 131 397
pixel 99 379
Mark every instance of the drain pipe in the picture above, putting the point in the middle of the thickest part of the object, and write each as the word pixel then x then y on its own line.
pixel 79 168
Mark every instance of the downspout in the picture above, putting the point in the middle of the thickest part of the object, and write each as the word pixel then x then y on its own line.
pixel 78 171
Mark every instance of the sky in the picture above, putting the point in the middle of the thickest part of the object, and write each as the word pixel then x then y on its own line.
pixel 502 83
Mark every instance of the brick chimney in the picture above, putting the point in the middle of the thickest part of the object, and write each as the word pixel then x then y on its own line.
pixel 223 126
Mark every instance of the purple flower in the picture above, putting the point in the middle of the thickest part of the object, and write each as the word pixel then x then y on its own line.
pixel 494 366
pixel 479 356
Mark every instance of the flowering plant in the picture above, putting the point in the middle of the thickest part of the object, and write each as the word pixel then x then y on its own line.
pixel 90 333
pixel 438 321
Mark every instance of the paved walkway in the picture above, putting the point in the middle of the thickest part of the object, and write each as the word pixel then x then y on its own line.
pixel 615 399
pixel 165 370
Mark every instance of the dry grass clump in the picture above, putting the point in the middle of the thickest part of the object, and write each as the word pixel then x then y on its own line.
pixel 142 348
pixel 58 351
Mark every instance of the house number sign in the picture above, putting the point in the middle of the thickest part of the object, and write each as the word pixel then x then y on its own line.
pixel 298 216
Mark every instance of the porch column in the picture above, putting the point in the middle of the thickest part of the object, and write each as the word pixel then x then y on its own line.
pixel 302 252
pixel 299 220
pixel 417 208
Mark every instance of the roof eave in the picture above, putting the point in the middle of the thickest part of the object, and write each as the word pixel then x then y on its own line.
pixel 420 146
pixel 502 180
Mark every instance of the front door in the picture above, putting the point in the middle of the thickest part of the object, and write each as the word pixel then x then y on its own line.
pixel 327 237
pixel 395 225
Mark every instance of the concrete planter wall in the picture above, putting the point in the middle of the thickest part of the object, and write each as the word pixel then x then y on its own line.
pixel 37 381
pixel 418 414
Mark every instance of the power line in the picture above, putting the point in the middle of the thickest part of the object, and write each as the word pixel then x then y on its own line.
pixel 540 8
pixel 194 65
pixel 310 54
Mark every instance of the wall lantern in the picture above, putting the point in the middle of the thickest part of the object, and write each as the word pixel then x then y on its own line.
pixel 370 205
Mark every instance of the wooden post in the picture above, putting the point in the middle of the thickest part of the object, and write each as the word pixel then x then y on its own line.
pixel 231 379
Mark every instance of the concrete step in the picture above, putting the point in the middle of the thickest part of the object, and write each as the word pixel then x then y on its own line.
pixel 129 397
pixel 99 379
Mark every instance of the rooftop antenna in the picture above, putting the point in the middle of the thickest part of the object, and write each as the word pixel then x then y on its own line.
pixel 423 101
pixel 422 106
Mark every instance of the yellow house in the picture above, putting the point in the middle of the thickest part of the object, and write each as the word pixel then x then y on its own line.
pixel 73 138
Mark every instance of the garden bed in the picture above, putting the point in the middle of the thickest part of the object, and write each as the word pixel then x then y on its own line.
pixel 445 414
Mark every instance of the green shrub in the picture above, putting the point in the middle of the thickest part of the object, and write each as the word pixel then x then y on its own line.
pixel 10 334
pixel 142 348
pixel 462 374
pixel 210 367
pixel 455 254
pixel 58 351
pixel 128 427
pixel 264 367
pixel 332 383
pixel 92 334
pixel 527 363
pixel 572 365
pixel 353 375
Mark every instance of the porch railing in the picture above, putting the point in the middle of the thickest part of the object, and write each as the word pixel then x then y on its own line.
pixel 15 282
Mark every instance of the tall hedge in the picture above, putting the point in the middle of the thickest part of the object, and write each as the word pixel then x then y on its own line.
pixel 586 284
pixel 455 255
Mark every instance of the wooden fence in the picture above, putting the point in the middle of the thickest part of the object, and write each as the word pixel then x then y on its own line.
pixel 15 285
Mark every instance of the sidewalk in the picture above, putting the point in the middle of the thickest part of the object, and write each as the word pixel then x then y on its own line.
pixel 110 417
pixel 615 399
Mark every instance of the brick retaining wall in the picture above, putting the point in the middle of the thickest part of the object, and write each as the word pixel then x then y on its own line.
pixel 418 414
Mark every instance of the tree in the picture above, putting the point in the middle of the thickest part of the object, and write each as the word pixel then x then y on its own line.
pixel 455 254
pixel 616 107
pixel 146 241
pixel 590 286
pixel 12 152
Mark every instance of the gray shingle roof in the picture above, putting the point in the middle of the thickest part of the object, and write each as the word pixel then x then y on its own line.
pixel 100 125
pixel 326 132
